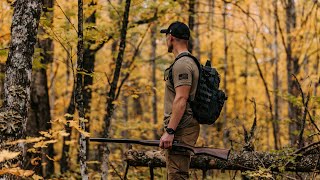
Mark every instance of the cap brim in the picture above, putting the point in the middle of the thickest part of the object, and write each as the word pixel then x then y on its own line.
pixel 164 31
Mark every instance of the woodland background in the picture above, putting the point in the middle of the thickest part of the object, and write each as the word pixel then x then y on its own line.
pixel 105 79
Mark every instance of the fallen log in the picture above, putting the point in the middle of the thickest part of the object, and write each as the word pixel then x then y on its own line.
pixel 277 161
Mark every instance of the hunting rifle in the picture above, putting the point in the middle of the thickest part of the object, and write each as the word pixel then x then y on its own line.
pixel 217 153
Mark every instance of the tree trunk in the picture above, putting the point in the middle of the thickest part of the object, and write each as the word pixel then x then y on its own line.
pixel 276 119
pixel 65 158
pixel 125 114
pixel 225 71
pixel 88 66
pixel 316 84
pixel 210 26
pixel 191 22
pixel 136 105
pixel 14 115
pixel 154 78
pixel 113 87
pixel 245 74
pixel 234 82
pixel 80 94
pixel 196 40
pixel 292 68
pixel 2 71
pixel 39 113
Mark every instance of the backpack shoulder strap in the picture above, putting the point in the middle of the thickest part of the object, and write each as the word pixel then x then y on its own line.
pixel 189 55
pixel 180 56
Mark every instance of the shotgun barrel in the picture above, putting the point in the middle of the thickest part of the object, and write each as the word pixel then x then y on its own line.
pixel 214 152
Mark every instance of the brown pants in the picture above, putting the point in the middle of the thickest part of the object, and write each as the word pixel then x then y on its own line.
pixel 178 160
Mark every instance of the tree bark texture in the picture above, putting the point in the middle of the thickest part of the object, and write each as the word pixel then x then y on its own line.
pixel 316 84
pixel 13 117
pixel 225 71
pixel 246 73
pixel 80 95
pixel 234 82
pixel 196 40
pixel 250 161
pixel 192 14
pixel 65 158
pixel 292 68
pixel 276 119
pixel 154 78
pixel 2 71
pixel 113 86
pixel 39 115
pixel 210 27
pixel 88 66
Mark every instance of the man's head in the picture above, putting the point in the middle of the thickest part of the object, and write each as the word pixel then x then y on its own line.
pixel 177 33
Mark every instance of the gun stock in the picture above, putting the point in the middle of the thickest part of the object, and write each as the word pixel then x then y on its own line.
pixel 217 153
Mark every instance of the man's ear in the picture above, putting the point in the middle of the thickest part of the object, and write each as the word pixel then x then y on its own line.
pixel 171 38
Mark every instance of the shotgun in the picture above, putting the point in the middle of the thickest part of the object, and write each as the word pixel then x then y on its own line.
pixel 217 153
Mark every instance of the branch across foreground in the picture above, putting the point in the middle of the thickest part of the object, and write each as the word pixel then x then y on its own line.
pixel 250 161
pixel 305 159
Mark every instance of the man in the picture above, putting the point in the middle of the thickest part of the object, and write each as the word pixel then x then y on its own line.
pixel 178 118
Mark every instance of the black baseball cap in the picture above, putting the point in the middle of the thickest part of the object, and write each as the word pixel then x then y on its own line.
pixel 178 30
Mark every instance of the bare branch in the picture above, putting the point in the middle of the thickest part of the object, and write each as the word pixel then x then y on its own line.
pixel 66 16
pixel 281 33
pixel 136 51
pixel 114 9
pixel 115 170
pixel 101 44
pixel 149 20
pixel 5 48
pixel 54 76
pixel 108 79
pixel 306 148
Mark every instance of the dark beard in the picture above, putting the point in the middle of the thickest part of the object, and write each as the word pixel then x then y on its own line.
pixel 170 48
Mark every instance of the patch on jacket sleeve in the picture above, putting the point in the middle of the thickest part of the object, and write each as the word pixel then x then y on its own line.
pixel 183 76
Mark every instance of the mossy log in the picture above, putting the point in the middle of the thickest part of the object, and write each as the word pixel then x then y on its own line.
pixel 277 161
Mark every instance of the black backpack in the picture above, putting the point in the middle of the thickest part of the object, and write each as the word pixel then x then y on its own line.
pixel 209 100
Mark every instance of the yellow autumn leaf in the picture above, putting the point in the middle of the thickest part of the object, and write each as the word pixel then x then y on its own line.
pixel 43 144
pixel 33 150
pixel 45 134
pixel 83 120
pixel 63 133
pixel 6 155
pixel 59 121
pixel 37 177
pixel 40 144
pixel 93 162
pixel 135 96
pixel 17 171
pixel 75 125
pixel 51 159
pixel 72 142
pixel 116 102
pixel 27 140
pixel 68 115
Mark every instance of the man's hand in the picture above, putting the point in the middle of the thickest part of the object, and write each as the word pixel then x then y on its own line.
pixel 166 141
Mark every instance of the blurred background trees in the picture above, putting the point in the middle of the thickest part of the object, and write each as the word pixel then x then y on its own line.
pixel 266 50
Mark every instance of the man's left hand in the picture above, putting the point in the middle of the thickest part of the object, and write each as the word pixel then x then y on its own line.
pixel 166 141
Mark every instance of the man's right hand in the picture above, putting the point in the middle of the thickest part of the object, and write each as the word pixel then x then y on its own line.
pixel 166 141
